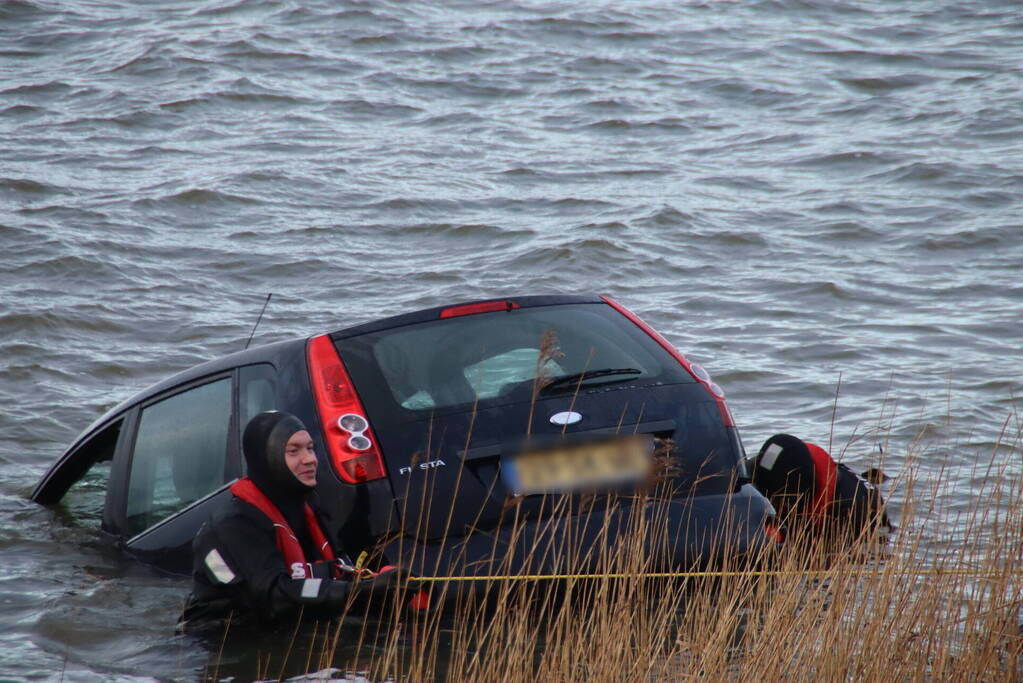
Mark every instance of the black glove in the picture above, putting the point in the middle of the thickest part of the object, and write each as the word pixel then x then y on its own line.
pixel 336 594
pixel 390 579
pixel 391 583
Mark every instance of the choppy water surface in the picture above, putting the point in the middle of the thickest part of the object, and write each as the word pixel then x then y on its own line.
pixel 793 191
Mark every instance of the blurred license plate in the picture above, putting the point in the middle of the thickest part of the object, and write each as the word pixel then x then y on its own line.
pixel 582 466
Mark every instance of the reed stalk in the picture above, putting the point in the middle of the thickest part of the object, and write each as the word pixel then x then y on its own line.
pixel 920 607
pixel 939 600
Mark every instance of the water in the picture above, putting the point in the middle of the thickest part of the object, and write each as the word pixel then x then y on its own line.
pixel 809 198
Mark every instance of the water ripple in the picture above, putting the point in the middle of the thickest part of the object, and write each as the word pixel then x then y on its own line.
pixel 791 190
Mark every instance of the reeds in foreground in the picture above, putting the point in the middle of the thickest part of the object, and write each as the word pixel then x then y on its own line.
pixel 940 601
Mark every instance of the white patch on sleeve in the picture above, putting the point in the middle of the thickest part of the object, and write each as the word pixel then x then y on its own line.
pixel 770 456
pixel 215 563
pixel 311 588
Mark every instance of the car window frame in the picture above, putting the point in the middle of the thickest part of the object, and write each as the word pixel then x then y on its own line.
pixel 238 428
pixel 116 510
pixel 369 377
pixel 116 498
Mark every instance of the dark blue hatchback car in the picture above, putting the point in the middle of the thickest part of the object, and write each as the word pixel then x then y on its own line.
pixel 430 426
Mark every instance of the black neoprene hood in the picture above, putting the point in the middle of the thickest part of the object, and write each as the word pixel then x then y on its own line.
pixel 784 465
pixel 263 443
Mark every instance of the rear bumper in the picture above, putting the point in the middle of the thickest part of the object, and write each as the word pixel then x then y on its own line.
pixel 682 534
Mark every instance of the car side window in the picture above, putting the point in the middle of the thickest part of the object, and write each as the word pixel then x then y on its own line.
pixel 80 483
pixel 257 392
pixel 179 453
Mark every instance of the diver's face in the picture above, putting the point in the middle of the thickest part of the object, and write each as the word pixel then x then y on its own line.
pixel 301 458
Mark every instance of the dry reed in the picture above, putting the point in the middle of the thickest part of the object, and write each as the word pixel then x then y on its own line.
pixel 921 607
pixel 941 600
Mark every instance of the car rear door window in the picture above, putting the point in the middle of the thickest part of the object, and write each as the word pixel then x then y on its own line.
pixel 180 451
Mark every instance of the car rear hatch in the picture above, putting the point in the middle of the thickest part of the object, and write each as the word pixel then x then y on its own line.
pixel 478 405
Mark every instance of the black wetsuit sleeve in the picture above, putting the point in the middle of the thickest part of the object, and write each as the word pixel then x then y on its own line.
pixel 237 557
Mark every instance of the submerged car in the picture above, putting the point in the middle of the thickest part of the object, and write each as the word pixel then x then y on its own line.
pixel 431 427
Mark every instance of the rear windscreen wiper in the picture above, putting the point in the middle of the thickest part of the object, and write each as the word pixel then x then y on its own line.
pixel 588 374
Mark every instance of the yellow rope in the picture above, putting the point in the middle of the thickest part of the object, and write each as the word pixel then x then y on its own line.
pixel 721 574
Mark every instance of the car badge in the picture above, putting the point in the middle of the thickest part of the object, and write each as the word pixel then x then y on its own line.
pixel 567 417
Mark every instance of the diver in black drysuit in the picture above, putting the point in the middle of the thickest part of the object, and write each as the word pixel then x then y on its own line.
pixel 248 567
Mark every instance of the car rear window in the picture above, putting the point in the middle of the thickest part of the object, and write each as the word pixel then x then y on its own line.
pixel 497 357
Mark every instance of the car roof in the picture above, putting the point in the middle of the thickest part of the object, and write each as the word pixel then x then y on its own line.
pixel 267 352
pixel 429 314
pixel 260 354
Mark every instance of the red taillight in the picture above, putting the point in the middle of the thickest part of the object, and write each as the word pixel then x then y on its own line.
pixel 354 455
pixel 696 371
pixel 472 309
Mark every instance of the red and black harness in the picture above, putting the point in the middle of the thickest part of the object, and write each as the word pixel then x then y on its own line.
pixel 287 543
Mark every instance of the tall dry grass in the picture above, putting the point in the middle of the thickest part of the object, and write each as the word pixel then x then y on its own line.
pixel 938 601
